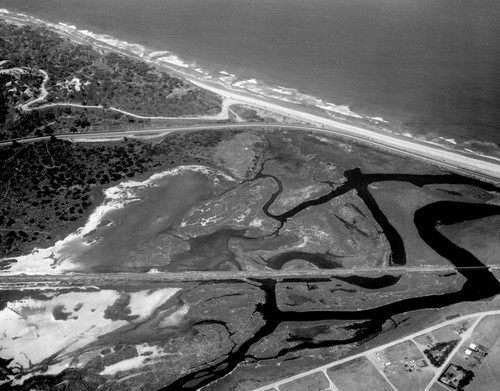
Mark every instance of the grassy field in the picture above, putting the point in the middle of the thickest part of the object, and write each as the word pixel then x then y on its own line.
pixel 444 334
pixel 477 237
pixel 438 387
pixel 399 201
pixel 404 373
pixel 358 375
pixel 314 382
pixel 487 372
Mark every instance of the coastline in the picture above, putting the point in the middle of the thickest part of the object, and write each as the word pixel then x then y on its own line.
pixel 315 112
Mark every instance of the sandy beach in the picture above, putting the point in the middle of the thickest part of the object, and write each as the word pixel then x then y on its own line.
pixel 486 166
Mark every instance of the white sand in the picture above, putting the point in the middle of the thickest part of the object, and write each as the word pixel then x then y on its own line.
pixel 143 303
pixel 54 260
pixel 58 258
pixel 434 153
pixel 125 365
pixel 145 352
pixel 30 333
pixel 176 317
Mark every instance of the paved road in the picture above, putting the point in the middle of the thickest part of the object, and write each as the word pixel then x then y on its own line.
pixel 461 163
pixel 465 336
pixel 227 275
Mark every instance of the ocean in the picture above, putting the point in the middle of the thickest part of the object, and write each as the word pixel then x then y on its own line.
pixel 430 68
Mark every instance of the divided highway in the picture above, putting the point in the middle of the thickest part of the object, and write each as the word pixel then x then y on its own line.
pixel 454 161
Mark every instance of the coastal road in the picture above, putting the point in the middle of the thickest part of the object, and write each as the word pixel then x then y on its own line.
pixel 480 167
pixel 446 159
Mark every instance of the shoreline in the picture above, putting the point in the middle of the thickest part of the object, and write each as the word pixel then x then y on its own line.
pixel 487 165
pixel 289 97
pixel 340 119
pixel 58 260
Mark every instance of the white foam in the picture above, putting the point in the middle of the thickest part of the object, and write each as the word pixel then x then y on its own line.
pixel 87 32
pixel 174 60
pixel 282 90
pixel 378 119
pixel 227 79
pixel 158 54
pixel 340 109
pixel 450 140
pixel 245 83
pixel 112 41
pixel 284 94
pixel 68 26
pixel 4 11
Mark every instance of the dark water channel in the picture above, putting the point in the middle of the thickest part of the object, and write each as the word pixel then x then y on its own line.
pixel 480 283
pixel 358 181
pixel 322 261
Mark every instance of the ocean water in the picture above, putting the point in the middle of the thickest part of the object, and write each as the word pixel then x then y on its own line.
pixel 431 68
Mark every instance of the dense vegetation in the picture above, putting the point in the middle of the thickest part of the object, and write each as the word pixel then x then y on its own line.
pixel 81 74
pixel 468 376
pixel 48 189
pixel 440 351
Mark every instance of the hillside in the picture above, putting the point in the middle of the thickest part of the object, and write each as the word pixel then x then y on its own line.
pixel 39 68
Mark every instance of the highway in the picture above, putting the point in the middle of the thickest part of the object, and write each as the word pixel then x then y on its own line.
pixel 446 159
pixel 165 277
